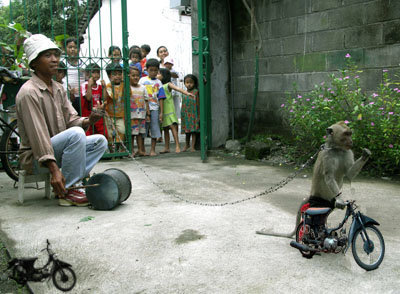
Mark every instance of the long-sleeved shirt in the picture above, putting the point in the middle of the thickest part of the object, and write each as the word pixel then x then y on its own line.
pixel 41 116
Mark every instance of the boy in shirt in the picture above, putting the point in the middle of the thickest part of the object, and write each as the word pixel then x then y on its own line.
pixel 154 95
pixel 92 92
pixel 115 100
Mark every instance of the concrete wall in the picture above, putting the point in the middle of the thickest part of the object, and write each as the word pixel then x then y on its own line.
pixel 303 41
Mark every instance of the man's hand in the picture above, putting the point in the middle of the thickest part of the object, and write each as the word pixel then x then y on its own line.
pixel 57 179
pixel 97 113
pixel 160 117
pixel 339 203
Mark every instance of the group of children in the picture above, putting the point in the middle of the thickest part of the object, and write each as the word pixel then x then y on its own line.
pixel 153 106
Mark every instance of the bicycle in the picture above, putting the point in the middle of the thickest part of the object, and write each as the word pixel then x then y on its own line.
pixel 10 139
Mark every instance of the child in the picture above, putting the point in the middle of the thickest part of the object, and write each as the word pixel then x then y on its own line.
pixel 145 49
pixel 115 54
pixel 170 121
pixel 91 93
pixel 138 110
pixel 115 100
pixel 75 76
pixel 135 56
pixel 169 63
pixel 190 114
pixel 61 72
pixel 155 96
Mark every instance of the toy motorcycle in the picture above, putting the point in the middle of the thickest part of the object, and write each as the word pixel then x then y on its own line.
pixel 367 244
pixel 59 271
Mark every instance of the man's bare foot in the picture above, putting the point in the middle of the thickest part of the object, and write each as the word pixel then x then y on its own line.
pixel 192 150
pixel 178 149
pixel 153 154
pixel 141 153
pixel 164 151
pixel 185 149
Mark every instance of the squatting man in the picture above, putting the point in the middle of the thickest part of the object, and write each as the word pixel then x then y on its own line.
pixel 52 135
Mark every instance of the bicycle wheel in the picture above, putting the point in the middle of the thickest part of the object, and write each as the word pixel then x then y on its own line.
pixel 64 278
pixel 299 239
pixel 9 146
pixel 368 254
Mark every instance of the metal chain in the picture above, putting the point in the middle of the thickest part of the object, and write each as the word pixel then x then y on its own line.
pixel 270 190
pixel 267 191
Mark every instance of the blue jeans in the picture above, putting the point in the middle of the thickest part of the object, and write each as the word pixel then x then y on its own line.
pixel 76 154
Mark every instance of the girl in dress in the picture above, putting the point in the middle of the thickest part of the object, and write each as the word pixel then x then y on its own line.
pixel 170 121
pixel 190 112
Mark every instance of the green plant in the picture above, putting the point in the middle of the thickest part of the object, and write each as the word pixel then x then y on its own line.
pixel 12 51
pixel 373 117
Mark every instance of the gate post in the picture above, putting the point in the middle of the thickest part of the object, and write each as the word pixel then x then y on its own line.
pixel 127 88
pixel 204 78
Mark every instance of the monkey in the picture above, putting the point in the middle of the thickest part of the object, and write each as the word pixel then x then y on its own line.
pixel 334 162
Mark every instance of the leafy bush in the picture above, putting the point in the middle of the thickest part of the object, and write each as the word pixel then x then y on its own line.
pixel 374 118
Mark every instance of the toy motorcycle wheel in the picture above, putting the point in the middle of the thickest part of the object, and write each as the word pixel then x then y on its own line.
pixel 368 253
pixel 299 239
pixel 64 278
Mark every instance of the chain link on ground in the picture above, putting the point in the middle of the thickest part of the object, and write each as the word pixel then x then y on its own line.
pixel 271 189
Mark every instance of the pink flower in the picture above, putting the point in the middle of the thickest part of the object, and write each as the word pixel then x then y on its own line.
pixel 385 70
pixel 313 107
pixel 395 89
pixel 390 145
pixel 291 110
pixel 372 124
pixel 346 122
pixel 339 79
pixel 295 101
pixel 323 83
pixel 348 55
pixel 357 77
pixel 282 105
pixel 390 113
pixel 299 96
pixel 332 92
pixel 302 116
pixel 375 95
pixel 371 103
pixel 381 108
pixel 346 78
pixel 324 137
pixel 308 99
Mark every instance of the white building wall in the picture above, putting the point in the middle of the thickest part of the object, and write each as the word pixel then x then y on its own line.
pixel 150 22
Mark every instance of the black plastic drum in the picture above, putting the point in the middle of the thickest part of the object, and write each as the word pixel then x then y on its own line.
pixel 115 187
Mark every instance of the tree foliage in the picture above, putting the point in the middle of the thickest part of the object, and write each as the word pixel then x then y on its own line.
pixel 48 17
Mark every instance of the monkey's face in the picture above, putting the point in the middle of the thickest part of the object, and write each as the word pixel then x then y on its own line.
pixel 339 136
pixel 346 140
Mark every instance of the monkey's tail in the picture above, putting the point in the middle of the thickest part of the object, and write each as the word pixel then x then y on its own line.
pixel 290 235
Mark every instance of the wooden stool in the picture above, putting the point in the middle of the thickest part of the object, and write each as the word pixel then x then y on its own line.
pixel 24 178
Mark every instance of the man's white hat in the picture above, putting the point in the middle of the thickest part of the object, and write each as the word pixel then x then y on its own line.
pixel 36 44
pixel 168 60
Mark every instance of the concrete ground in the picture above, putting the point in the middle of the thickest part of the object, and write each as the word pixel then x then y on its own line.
pixel 156 243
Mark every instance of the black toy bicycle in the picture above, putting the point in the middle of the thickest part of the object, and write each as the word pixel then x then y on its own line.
pixel 62 274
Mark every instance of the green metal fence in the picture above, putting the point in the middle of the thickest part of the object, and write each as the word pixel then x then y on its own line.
pixel 60 20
